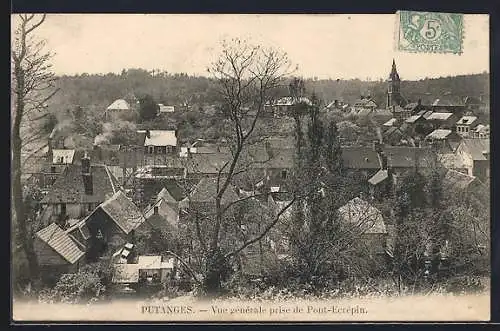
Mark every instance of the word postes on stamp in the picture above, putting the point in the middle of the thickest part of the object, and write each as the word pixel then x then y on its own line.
pixel 429 32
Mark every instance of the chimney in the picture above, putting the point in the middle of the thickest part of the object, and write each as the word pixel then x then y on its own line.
pixel 336 103
pixel 97 152
pixel 148 134
pixel 419 102
pixel 87 175
pixel 155 210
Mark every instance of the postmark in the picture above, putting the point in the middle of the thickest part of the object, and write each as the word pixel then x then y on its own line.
pixel 429 32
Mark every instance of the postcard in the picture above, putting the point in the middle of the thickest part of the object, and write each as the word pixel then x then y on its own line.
pixel 249 168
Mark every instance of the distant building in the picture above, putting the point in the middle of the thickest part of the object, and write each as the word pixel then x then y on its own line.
pixel 394 97
pixel 475 154
pixel 117 109
pixel 159 141
pixel 285 106
pixel 481 132
pixel 444 140
pixel 464 126
pixel 166 109
pixel 365 103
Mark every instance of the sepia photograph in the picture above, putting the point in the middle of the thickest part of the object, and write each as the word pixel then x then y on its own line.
pixel 250 167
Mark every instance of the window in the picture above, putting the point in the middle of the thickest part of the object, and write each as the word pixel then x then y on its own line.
pixel 90 207
pixel 151 149
pixel 283 174
pixel 63 209
pixel 53 169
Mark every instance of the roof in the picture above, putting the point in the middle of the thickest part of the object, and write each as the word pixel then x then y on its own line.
pixel 411 105
pixel 149 262
pixel 123 212
pixel 439 134
pixel 119 104
pixel 289 101
pixel 409 157
pixel 379 177
pixel 476 147
pixel 439 116
pixel 390 122
pixel 427 114
pixel 167 215
pixel 164 194
pixel 392 130
pixel 482 128
pixel 161 138
pixel 466 120
pixel 69 186
pixel 360 213
pixel 206 190
pixel 125 273
pixel 60 242
pixel 444 103
pixel 365 102
pixel 66 155
pixel 413 119
pixel 166 109
pixel 360 158
pixel 456 180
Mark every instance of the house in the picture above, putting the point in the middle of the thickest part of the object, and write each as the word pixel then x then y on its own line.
pixel 442 105
pixel 166 109
pixel 475 155
pixel 56 252
pixel 367 223
pixel 442 120
pixel 472 103
pixel 77 191
pixel 391 122
pixel 204 193
pixel 455 182
pixel 443 139
pixel 365 103
pixel 393 135
pixel 284 106
pixel 160 141
pixel 400 113
pixel 112 224
pixel 147 270
pixel 163 214
pixel 117 109
pixel 481 132
pixel 415 107
pixel 337 105
pixel 464 125
pixel 418 125
pixel 381 182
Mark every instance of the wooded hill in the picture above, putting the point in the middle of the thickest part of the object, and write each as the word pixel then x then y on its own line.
pixel 177 89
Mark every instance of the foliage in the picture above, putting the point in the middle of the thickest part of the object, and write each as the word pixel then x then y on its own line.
pixel 85 286
pixel 148 108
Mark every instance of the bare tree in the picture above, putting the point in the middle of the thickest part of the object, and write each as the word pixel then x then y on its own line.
pixel 32 87
pixel 246 75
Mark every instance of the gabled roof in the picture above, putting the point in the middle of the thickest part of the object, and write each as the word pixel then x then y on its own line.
pixel 206 190
pixel 458 181
pixel 409 157
pixel 60 242
pixel 411 106
pixel 413 119
pixel 125 273
pixel 64 155
pixel 119 104
pixel 439 134
pixel 161 138
pixel 149 262
pixel 167 215
pixel 476 148
pixel 360 158
pixel 439 116
pixel 164 194
pixel 482 128
pixel 379 177
pixel 289 101
pixel 391 131
pixel 466 120
pixel 123 212
pixel 363 216
pixel 69 186
pixel 390 122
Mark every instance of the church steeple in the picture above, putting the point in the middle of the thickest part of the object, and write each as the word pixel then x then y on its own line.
pixel 393 84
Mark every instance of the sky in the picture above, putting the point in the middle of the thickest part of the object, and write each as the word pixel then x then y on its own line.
pixel 323 46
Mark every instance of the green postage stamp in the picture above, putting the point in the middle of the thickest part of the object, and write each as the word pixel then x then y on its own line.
pixel 427 32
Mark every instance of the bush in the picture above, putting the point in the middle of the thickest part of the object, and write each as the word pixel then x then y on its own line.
pixel 83 287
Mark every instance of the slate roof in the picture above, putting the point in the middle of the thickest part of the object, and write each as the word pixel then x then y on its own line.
pixel 411 106
pixel 413 119
pixel 123 212
pixel 161 138
pixel 69 186
pixel 119 104
pixel 390 122
pixel 361 214
pixel 456 180
pixel 439 116
pixel 149 262
pixel 60 242
pixel 476 147
pixel 167 215
pixel 165 195
pixel 206 190
pixel 360 158
pixel 398 157
pixel 439 134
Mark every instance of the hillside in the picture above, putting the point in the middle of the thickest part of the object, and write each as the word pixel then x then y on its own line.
pixel 176 89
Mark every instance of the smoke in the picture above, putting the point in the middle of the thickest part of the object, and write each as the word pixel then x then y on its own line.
pixel 105 136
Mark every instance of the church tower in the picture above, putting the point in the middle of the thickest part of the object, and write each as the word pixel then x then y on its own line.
pixel 393 92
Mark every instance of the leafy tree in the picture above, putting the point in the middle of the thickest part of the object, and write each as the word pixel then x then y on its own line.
pixel 148 108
